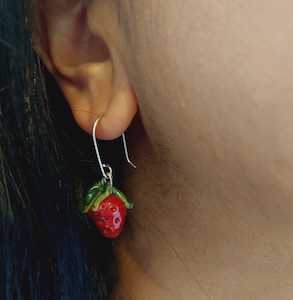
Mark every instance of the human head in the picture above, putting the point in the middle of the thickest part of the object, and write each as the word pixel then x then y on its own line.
pixel 218 72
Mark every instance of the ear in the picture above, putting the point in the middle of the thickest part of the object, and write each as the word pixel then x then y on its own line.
pixel 93 82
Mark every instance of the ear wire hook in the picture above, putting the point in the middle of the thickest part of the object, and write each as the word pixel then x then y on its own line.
pixel 108 175
pixel 126 151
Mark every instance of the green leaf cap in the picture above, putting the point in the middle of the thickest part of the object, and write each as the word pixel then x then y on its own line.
pixel 99 192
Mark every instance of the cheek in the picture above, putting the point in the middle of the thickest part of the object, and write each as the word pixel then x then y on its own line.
pixel 215 87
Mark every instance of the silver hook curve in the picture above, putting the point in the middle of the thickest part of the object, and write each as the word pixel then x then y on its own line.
pixel 126 151
pixel 101 164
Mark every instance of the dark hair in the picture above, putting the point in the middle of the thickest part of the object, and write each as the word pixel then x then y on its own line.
pixel 48 250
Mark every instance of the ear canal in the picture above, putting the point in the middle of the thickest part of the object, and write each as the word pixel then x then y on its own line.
pixel 82 63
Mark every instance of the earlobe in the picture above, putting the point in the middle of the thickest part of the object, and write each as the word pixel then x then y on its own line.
pixel 117 111
pixel 118 116
pixel 83 66
pixel 91 93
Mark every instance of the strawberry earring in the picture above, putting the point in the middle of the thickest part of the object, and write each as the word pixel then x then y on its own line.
pixel 104 204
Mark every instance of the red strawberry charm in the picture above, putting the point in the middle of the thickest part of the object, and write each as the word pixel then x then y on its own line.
pixel 107 207
pixel 110 216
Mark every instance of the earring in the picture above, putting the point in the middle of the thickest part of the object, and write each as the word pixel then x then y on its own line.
pixel 104 204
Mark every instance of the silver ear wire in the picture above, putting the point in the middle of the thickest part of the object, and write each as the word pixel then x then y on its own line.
pixel 126 151
pixel 108 175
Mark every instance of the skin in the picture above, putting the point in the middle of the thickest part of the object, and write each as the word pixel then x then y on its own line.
pixel 213 193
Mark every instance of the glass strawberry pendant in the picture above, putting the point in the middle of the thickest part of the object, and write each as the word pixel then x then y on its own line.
pixel 107 207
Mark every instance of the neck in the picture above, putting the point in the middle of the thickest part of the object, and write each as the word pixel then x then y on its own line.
pixel 188 242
